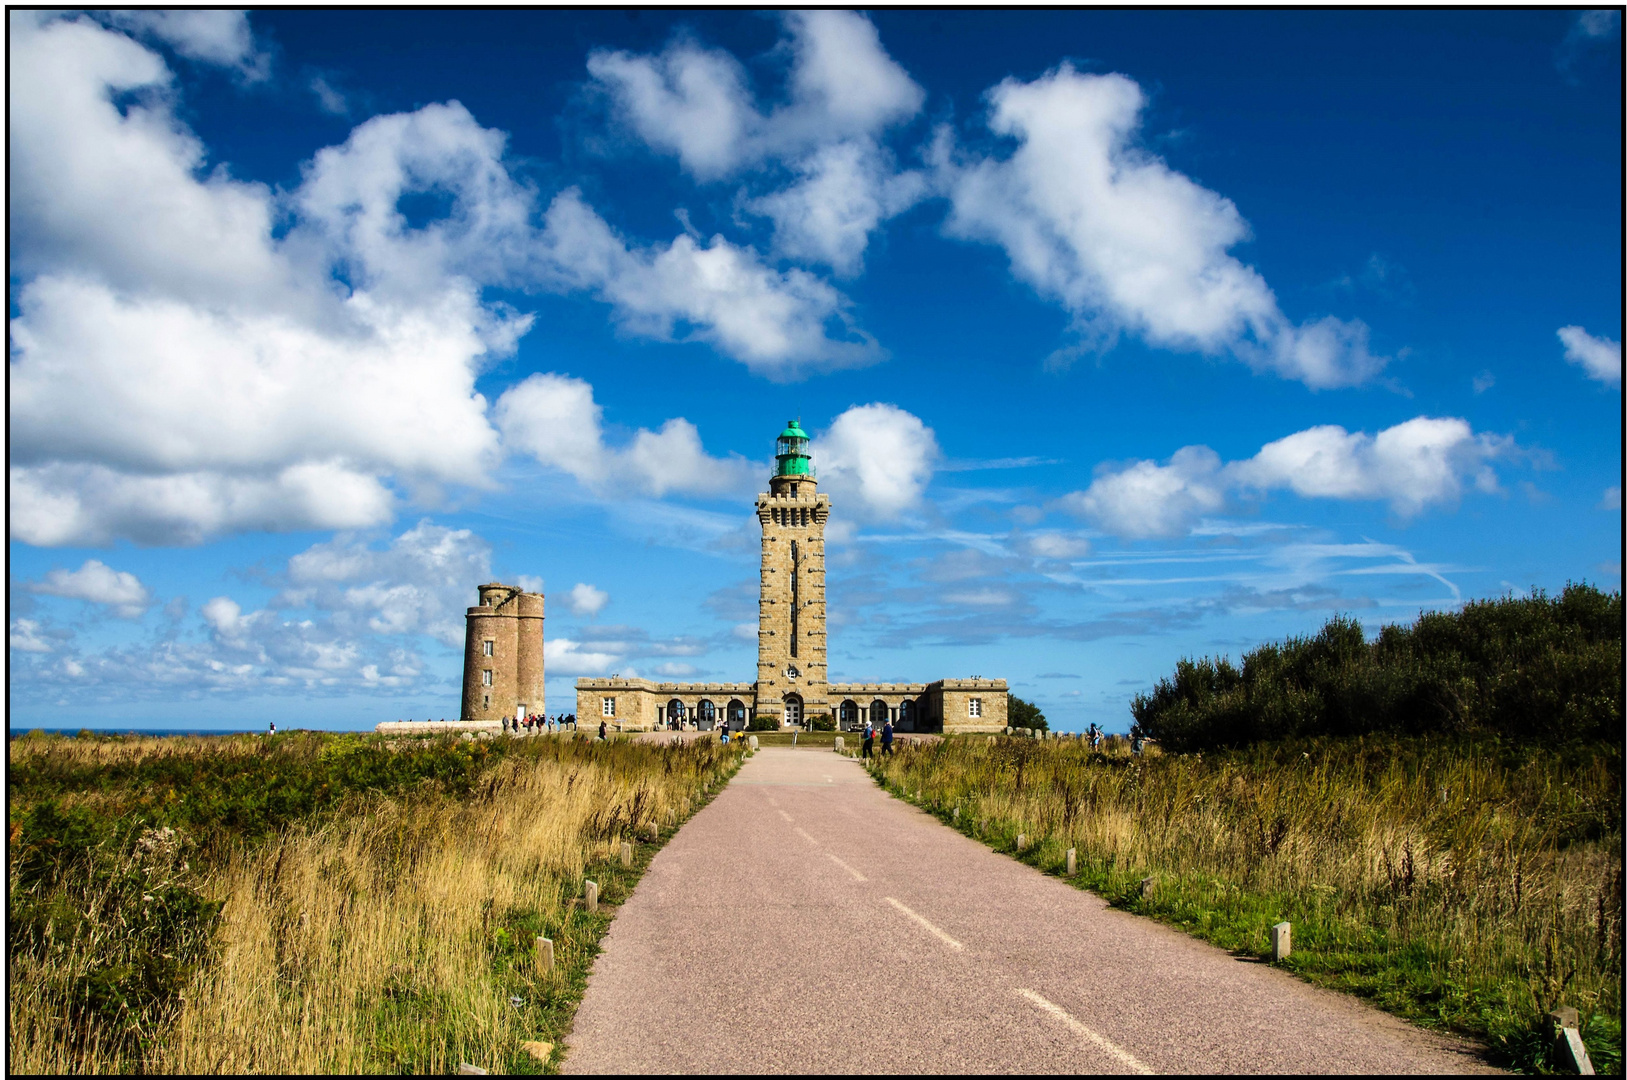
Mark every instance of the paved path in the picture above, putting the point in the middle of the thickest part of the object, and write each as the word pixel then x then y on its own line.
pixel 807 922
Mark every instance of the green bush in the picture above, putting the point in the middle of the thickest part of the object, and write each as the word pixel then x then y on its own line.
pixel 1024 714
pixel 763 723
pixel 1533 668
pixel 822 722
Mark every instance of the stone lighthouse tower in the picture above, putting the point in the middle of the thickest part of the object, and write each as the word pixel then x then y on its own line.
pixel 792 682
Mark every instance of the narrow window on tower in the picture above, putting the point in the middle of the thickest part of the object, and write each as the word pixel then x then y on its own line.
pixel 794 604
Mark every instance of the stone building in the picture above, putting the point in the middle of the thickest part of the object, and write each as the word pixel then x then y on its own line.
pixel 792 686
pixel 502 654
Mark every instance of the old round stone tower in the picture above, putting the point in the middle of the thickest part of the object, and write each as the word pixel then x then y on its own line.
pixel 502 654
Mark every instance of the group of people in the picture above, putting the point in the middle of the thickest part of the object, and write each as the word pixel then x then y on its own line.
pixel 870 738
pixel 536 724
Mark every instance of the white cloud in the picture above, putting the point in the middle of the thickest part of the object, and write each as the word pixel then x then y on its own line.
pixel 778 323
pixel 1147 499
pixel 25 637
pixel 1051 545
pixel 1611 500
pixel 844 191
pixel 555 419
pixel 562 656
pixel 1599 357
pixel 421 582
pixel 239 379
pixel 98 583
pixel 746 631
pixel 331 100
pixel 1094 221
pixel 584 599
pixel 878 457
pixel 1422 462
pixel 216 37
pixel 844 91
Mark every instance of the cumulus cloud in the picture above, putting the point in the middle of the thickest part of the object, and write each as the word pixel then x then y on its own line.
pixel 563 656
pixel 26 637
pixel 1092 220
pixel 420 582
pixel 1423 462
pixel 242 377
pixel 1147 499
pixel 778 323
pixel 1599 357
pixel 120 591
pixel 831 181
pixel 877 457
pixel 555 419
pixel 215 37
pixel 584 599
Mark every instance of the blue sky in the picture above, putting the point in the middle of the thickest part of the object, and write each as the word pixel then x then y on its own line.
pixel 1122 336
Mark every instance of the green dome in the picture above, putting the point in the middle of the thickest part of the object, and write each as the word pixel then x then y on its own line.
pixel 793 430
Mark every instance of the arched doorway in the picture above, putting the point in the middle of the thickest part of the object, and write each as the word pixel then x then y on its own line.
pixel 737 715
pixel 850 715
pixel 906 715
pixel 675 713
pixel 793 708
pixel 705 715
pixel 878 712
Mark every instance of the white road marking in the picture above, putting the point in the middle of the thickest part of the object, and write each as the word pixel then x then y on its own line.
pixel 784 815
pixel 808 838
pixel 941 936
pixel 1102 1041
pixel 856 875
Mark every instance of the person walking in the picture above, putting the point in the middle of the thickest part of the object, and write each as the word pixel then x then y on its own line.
pixel 887 737
pixel 869 737
pixel 604 730
pixel 273 727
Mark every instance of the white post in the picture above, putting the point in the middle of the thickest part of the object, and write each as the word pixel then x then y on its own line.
pixel 1073 861
pixel 1281 941
pixel 626 853
pixel 590 890
pixel 545 956
pixel 1022 841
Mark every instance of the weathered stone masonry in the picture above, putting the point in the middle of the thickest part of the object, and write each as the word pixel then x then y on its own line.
pixel 502 655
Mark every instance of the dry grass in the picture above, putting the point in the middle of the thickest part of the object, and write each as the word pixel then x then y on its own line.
pixel 398 935
pixel 1472 887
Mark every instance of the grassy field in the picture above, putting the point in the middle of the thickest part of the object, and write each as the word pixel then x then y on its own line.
pixel 319 903
pixel 1464 885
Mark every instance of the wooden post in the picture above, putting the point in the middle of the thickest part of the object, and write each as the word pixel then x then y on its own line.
pixel 545 956
pixel 1073 861
pixel 1281 941
pixel 1022 841
pixel 655 832
pixel 590 892
pixel 626 853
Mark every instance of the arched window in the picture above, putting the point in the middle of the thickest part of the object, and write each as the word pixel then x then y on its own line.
pixel 737 714
pixel 850 714
pixel 878 712
pixel 675 711
pixel 793 708
pixel 906 715
pixel 706 712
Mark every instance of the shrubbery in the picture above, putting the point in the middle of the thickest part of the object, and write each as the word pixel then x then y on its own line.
pixel 1536 668
pixel 763 723
pixel 1025 714
pixel 822 722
